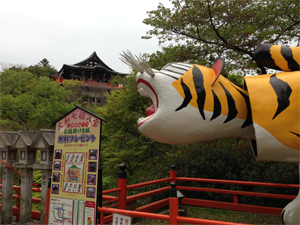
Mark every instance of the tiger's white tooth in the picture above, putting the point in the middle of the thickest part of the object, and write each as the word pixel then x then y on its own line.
pixel 142 92
pixel 140 119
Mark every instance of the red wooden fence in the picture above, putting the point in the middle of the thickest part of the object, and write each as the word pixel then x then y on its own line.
pixel 119 204
pixel 144 212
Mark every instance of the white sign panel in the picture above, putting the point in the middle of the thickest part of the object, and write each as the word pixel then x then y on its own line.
pixel 121 219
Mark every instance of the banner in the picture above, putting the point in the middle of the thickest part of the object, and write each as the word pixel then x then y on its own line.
pixel 73 196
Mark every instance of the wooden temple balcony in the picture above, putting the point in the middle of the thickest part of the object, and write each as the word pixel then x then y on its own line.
pixel 94 83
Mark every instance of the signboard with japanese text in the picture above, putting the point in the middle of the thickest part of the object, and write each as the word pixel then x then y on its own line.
pixel 119 219
pixel 75 168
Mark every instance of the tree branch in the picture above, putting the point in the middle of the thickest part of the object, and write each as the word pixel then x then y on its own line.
pixel 285 30
pixel 213 26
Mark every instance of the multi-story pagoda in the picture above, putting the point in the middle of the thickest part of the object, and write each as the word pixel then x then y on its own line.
pixel 95 76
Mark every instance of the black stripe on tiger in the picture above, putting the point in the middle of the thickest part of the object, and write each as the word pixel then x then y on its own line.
pixel 287 53
pixel 187 95
pixel 232 111
pixel 217 107
pixel 264 57
pixel 200 90
pixel 283 92
pixel 295 133
pixel 248 120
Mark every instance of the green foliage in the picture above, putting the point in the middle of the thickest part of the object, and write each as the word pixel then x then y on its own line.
pixel 233 159
pixel 42 71
pixel 29 101
pixel 177 53
pixel 204 30
pixel 221 215
pixel 236 78
pixel 75 86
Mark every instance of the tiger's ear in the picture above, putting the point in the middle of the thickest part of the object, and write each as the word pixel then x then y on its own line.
pixel 217 67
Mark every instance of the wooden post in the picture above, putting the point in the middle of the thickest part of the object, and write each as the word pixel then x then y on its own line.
pixel 173 205
pixel 122 184
pixel 173 173
pixel 235 199
pixel 47 202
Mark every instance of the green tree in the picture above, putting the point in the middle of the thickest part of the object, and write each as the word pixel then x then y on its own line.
pixel 43 68
pixel 76 87
pixel 30 102
pixel 44 63
pixel 203 30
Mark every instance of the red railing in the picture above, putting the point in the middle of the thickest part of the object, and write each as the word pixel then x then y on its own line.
pixel 145 211
pixel 36 214
pixel 122 202
pixel 94 83
pixel 100 84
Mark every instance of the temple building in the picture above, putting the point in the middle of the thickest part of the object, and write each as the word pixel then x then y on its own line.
pixel 90 69
pixel 95 76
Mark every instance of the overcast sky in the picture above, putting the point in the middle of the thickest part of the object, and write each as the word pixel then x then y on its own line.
pixel 68 31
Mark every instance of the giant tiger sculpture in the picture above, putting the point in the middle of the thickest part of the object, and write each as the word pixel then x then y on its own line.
pixel 193 103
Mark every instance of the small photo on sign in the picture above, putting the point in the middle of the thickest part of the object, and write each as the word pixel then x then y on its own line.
pixel 57 154
pixel 92 179
pixel 93 154
pixel 79 188
pixel 92 166
pixel 55 188
pixel 56 177
pixel 65 186
pixel 57 165
pixel 90 192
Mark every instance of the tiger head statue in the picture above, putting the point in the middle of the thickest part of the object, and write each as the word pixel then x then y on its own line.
pixel 191 103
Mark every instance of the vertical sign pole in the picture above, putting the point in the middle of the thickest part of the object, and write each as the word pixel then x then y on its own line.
pixel 99 188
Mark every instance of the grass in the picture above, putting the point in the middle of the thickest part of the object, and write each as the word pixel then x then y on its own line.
pixel 221 215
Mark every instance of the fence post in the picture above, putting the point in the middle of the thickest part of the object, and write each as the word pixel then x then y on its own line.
pixel 7 195
pixel 173 173
pixel 47 202
pixel 122 184
pixel 173 204
pixel 235 199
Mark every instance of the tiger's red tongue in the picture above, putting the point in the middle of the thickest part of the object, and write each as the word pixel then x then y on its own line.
pixel 150 110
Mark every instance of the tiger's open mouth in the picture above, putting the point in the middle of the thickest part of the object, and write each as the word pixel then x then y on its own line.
pixel 145 89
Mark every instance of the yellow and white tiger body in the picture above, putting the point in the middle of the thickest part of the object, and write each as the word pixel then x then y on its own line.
pixel 194 103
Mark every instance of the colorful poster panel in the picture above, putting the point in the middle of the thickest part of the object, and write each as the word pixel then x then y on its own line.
pixel 74 172
pixel 56 177
pixel 93 153
pixel 60 211
pixel 91 179
pixel 89 213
